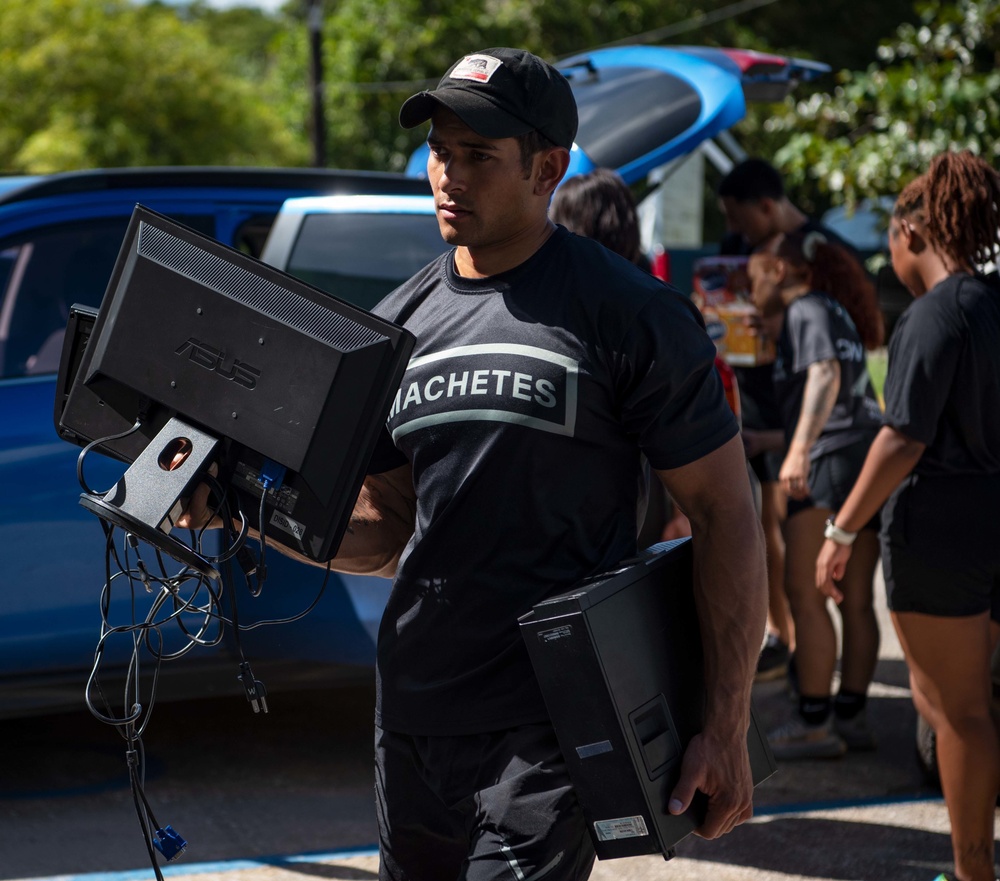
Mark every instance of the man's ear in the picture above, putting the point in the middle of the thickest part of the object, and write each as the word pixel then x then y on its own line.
pixel 767 206
pixel 549 168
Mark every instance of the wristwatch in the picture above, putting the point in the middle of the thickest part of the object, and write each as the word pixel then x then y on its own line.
pixel 838 535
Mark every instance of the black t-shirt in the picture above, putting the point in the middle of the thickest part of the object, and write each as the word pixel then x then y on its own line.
pixel 523 412
pixel 942 389
pixel 817 328
pixel 943 381
pixel 760 406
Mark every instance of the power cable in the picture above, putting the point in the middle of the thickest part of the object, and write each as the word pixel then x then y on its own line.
pixel 185 599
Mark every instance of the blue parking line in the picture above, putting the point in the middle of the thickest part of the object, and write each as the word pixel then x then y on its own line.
pixel 372 850
pixel 841 804
pixel 222 866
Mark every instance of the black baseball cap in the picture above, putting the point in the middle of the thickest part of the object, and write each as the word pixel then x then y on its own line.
pixel 501 93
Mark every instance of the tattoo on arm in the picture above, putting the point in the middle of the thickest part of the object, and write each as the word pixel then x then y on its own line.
pixel 822 388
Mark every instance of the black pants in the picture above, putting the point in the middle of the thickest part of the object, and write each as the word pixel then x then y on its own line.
pixel 479 807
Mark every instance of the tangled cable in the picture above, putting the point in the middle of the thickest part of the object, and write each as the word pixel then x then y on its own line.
pixel 183 602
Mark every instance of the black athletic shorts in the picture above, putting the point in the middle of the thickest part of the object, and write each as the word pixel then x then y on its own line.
pixel 941 546
pixel 760 412
pixel 831 479
pixel 767 465
pixel 479 807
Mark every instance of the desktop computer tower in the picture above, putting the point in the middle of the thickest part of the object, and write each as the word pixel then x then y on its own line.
pixel 619 663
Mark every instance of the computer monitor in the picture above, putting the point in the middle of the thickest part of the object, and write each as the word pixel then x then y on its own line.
pixel 221 358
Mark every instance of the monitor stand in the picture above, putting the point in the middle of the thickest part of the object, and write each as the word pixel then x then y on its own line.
pixel 150 495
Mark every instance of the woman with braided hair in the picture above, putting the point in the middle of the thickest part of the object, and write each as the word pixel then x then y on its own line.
pixel 819 305
pixel 936 467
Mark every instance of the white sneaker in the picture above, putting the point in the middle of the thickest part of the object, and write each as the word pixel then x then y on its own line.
pixel 796 739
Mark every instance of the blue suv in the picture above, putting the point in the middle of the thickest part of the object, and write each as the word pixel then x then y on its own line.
pixel 59 238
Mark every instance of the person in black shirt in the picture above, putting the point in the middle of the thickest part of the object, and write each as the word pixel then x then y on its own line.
pixel 936 466
pixel 756 207
pixel 830 415
pixel 544 367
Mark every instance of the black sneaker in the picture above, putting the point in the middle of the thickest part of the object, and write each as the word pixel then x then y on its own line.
pixel 773 660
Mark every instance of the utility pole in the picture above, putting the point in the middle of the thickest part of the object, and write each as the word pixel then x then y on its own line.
pixel 315 24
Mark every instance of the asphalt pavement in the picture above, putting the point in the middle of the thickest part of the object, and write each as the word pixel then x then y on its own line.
pixel 289 798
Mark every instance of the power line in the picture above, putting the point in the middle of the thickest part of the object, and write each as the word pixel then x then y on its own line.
pixel 391 85
pixel 694 23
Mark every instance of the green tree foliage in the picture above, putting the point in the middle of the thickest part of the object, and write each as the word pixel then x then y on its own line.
pixel 92 83
pixel 378 55
pixel 375 61
pixel 248 35
pixel 129 82
pixel 934 86
pixel 843 33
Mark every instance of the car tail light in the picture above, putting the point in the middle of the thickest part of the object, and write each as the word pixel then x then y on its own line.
pixel 731 387
pixel 660 264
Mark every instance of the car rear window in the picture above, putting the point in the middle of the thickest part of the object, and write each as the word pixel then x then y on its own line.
pixel 362 257
pixel 628 112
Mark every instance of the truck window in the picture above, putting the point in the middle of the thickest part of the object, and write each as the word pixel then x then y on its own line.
pixel 48 272
pixel 362 257
pixel 44 272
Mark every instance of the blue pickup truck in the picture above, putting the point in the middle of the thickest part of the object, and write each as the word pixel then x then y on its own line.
pixel 59 238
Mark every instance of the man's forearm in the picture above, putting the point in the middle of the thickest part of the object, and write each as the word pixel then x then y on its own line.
pixel 358 554
pixel 380 526
pixel 731 592
pixel 730 575
pixel 731 596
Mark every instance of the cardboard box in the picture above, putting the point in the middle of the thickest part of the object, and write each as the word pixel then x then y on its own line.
pixel 722 294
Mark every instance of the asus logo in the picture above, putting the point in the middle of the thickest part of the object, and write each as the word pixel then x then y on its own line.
pixel 212 359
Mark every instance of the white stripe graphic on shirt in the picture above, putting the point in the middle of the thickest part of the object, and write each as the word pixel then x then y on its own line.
pixel 524 398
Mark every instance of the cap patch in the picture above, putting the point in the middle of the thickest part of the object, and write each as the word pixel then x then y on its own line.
pixel 478 68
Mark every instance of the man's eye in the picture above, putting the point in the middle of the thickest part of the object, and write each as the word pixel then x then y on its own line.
pixel 481 157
